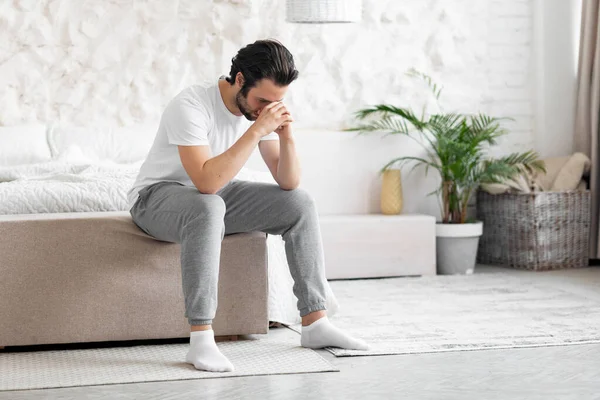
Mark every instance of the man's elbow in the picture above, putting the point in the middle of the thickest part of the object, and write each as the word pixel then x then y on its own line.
pixel 208 189
pixel 289 186
pixel 205 189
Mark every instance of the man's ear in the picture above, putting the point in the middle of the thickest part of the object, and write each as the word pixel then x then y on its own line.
pixel 239 79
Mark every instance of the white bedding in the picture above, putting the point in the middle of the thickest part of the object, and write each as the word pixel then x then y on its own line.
pixel 61 186
pixel 57 186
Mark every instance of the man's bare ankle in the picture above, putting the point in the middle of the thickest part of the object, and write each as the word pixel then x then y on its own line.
pixel 313 316
pixel 200 327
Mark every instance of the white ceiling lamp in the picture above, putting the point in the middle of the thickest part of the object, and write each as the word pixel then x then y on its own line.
pixel 323 11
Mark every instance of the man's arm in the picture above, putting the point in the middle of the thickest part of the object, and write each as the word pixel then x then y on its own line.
pixel 209 174
pixel 282 160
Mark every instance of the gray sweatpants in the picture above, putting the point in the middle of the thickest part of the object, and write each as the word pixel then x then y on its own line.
pixel 173 212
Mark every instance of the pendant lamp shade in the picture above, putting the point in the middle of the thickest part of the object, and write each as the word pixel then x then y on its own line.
pixel 323 11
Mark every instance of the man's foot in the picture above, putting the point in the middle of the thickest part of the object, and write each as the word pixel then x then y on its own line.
pixel 204 353
pixel 322 333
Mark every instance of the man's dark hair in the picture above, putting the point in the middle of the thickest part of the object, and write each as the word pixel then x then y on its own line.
pixel 263 59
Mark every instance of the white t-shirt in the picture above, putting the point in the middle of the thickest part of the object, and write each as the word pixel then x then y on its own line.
pixel 196 116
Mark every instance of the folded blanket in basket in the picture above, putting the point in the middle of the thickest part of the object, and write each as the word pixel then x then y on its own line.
pixel 562 174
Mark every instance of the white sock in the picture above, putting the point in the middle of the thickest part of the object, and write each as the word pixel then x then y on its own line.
pixel 204 353
pixel 322 333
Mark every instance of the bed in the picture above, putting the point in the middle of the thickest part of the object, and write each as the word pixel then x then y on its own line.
pixel 75 183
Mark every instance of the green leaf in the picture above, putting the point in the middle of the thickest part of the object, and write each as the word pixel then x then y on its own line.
pixel 402 160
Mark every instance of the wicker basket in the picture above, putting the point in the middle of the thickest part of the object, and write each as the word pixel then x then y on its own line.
pixel 535 231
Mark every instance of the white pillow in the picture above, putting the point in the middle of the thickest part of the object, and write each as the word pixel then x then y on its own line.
pixel 25 144
pixel 123 145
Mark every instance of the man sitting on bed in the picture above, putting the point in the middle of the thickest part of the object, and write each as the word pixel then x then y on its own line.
pixel 185 193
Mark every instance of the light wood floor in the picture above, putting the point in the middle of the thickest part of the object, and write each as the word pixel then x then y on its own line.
pixel 561 372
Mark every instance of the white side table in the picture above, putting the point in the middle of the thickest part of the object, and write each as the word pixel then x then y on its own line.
pixel 377 245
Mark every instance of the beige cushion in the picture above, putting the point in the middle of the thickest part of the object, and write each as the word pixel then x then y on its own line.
pixel 569 176
pixel 553 167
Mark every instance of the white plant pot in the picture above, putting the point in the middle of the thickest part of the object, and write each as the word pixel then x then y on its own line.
pixel 456 247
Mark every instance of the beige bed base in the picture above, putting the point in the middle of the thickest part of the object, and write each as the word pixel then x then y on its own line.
pixel 88 277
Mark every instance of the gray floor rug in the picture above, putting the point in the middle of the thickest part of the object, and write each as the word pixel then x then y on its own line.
pixel 457 313
pixel 279 352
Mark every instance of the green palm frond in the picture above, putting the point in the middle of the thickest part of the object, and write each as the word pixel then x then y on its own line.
pixel 528 160
pixel 386 124
pixel 407 114
pixel 435 88
pixel 402 160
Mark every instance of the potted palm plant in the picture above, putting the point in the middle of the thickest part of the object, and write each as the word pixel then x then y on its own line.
pixel 456 146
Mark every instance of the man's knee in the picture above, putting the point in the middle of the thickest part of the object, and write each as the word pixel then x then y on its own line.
pixel 300 200
pixel 208 207
pixel 214 204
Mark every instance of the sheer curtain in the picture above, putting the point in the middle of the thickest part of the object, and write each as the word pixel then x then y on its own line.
pixel 588 106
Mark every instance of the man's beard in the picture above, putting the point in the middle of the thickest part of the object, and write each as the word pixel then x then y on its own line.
pixel 241 102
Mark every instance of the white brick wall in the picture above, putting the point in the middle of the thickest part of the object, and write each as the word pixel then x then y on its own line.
pixel 116 62
pixel 510 69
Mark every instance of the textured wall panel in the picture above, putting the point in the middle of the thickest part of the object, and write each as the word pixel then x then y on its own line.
pixel 119 62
